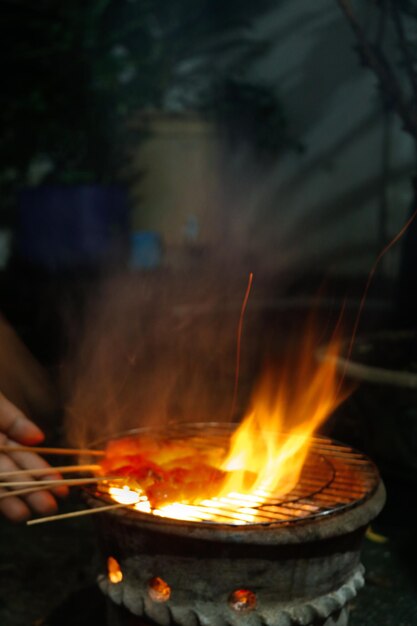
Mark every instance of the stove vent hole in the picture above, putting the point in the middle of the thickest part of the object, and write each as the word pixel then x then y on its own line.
pixel 158 590
pixel 114 573
pixel 242 600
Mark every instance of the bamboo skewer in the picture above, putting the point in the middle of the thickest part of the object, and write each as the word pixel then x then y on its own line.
pixel 44 471
pixel 44 485
pixel 20 492
pixel 62 481
pixel 101 509
pixel 31 486
pixel 42 450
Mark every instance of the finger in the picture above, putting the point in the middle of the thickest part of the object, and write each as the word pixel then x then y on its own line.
pixel 9 464
pixel 41 502
pixel 18 509
pixel 14 509
pixel 16 425
pixel 29 461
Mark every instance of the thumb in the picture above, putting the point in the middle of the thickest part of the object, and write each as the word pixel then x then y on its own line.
pixel 16 425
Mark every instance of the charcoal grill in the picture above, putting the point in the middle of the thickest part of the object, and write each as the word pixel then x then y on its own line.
pixel 296 562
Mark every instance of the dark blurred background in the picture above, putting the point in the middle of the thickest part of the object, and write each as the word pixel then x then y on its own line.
pixel 153 148
pixel 140 137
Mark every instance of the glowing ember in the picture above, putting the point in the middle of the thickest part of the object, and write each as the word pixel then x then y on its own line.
pixel 113 571
pixel 159 590
pixel 196 478
pixel 242 600
pixel 124 495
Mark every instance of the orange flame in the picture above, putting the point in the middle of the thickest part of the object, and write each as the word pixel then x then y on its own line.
pixel 267 451
pixel 273 440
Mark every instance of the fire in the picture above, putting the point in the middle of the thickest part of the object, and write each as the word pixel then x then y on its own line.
pixel 264 457
pixel 273 440
pixel 124 495
pixel 114 572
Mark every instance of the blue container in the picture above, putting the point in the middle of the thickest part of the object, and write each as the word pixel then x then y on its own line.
pixel 146 250
pixel 68 227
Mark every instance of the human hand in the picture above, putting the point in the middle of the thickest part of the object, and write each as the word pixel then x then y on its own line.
pixel 16 428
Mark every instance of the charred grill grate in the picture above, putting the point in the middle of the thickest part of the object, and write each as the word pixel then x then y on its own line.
pixel 334 478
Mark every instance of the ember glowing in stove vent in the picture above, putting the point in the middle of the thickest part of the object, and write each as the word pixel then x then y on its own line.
pixel 158 590
pixel 242 600
pixel 198 478
pixel 114 572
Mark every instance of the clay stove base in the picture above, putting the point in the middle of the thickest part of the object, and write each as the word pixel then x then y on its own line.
pixel 331 609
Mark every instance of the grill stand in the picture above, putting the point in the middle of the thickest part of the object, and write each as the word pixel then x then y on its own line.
pixel 302 576
pixel 301 572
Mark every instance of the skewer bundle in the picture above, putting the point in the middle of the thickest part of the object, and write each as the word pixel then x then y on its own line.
pixel 33 480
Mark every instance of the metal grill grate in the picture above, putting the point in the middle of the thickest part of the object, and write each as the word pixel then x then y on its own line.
pixel 334 478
